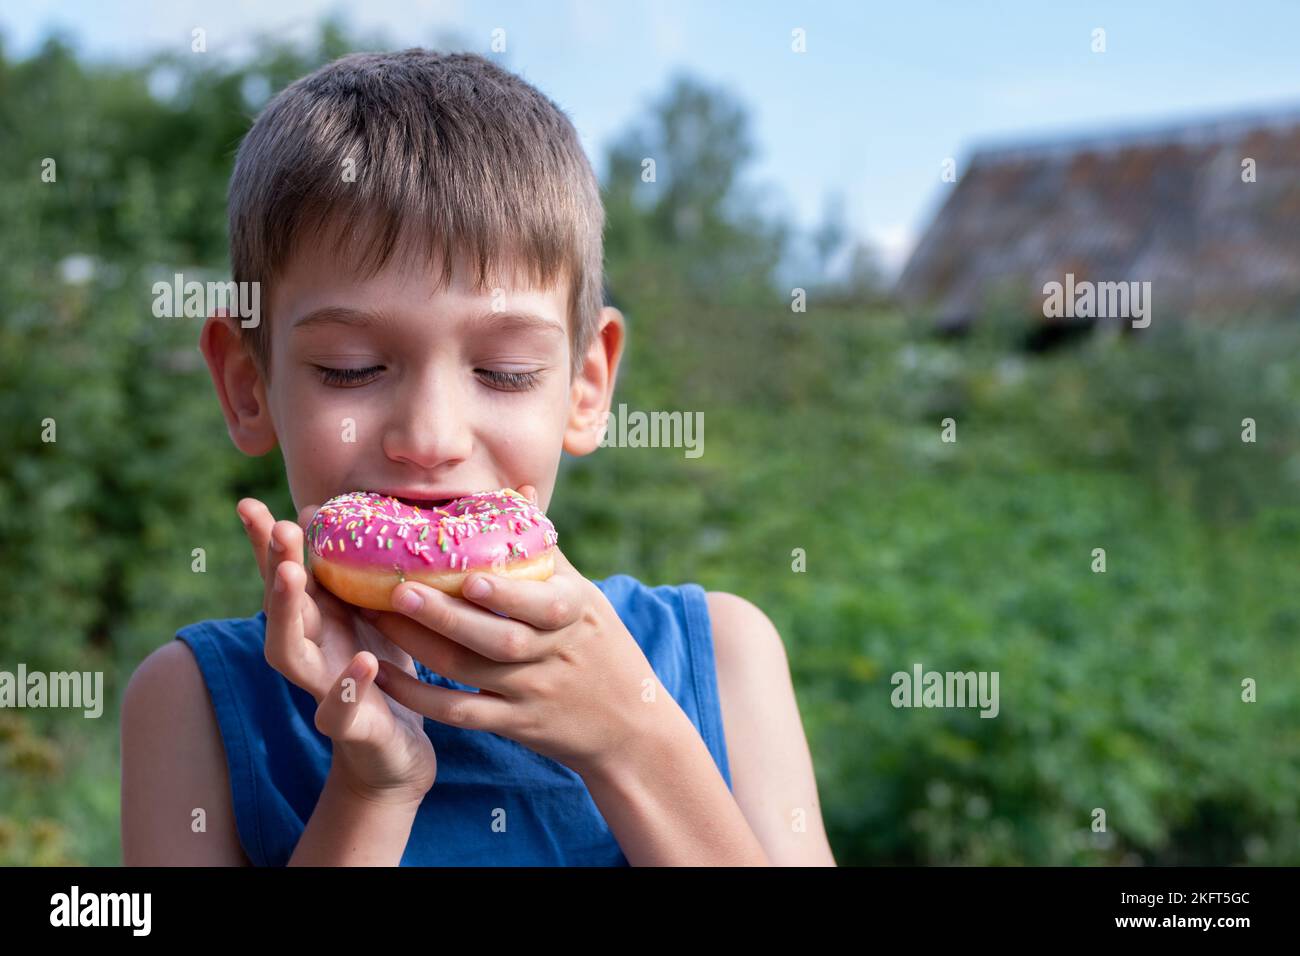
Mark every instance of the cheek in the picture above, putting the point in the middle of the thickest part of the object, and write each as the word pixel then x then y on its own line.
pixel 320 432
pixel 531 432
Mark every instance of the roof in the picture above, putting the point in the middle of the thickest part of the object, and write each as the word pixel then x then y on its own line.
pixel 1162 204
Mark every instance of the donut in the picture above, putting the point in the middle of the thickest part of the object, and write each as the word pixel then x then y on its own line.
pixel 362 544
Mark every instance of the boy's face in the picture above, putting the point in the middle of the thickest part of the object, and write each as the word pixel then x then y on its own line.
pixel 389 384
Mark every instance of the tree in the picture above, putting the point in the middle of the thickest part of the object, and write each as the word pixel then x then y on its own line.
pixel 677 201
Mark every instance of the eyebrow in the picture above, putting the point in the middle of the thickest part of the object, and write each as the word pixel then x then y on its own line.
pixel 491 321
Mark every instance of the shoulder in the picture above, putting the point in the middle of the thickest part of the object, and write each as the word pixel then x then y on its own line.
pixel 169 681
pixel 173 764
pixel 773 779
pixel 743 636
pixel 171 660
pixel 168 677
pixel 751 663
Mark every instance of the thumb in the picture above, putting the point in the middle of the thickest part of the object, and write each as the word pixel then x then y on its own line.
pixel 336 716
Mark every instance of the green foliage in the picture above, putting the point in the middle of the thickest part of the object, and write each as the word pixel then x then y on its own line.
pixel 1119 690
pixel 691 220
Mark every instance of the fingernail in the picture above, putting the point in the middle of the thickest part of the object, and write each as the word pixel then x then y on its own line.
pixel 275 544
pixel 409 602
pixel 478 588
pixel 278 583
pixel 357 669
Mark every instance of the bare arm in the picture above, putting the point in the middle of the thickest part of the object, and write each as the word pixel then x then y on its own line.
pixel 349 829
pixel 667 804
pixel 173 763
pixel 767 750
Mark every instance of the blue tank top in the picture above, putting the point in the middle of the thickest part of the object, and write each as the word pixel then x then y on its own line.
pixel 278 760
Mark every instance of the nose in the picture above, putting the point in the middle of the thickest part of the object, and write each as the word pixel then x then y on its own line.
pixel 428 424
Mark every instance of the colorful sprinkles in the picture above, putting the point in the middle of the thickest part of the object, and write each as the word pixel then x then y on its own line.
pixel 473 531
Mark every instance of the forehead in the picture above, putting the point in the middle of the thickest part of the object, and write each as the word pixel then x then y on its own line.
pixel 324 271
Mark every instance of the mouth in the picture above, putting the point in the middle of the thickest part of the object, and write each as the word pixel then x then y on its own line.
pixel 424 503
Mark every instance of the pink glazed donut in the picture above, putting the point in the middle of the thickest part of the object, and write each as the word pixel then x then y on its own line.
pixel 362 545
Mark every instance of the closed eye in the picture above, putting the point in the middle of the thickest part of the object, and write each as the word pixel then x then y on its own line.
pixel 509 381
pixel 348 377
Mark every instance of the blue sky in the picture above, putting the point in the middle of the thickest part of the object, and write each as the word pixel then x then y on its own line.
pixel 885 92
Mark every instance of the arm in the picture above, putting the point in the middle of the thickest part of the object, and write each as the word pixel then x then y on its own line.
pixel 767 750
pixel 667 804
pixel 173 762
pixel 350 829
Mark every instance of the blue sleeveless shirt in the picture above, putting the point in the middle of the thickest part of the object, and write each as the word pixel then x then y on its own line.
pixel 278 760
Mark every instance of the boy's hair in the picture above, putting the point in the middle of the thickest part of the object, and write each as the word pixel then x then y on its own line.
pixel 449 153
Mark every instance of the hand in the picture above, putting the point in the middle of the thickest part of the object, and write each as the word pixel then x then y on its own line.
pixel 559 673
pixel 317 641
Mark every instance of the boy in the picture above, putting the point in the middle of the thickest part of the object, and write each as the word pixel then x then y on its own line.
pixel 428 235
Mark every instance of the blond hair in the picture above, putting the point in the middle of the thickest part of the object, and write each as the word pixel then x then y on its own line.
pixel 451 155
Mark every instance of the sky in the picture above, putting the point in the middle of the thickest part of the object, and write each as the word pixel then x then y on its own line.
pixel 865 117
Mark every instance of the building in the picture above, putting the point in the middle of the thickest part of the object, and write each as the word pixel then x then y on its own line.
pixel 1208 213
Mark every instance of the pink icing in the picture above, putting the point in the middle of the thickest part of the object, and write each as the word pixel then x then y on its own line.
pixel 367 530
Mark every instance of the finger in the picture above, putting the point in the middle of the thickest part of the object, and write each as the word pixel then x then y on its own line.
pixel 336 717
pixel 447 657
pixel 459 708
pixel 286 544
pixel 271 559
pixel 257 522
pixel 494 637
pixel 564 566
pixel 547 605
pixel 529 492
pixel 287 648
pixel 305 514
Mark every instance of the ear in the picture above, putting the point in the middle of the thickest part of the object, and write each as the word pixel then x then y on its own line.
pixel 593 386
pixel 239 386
